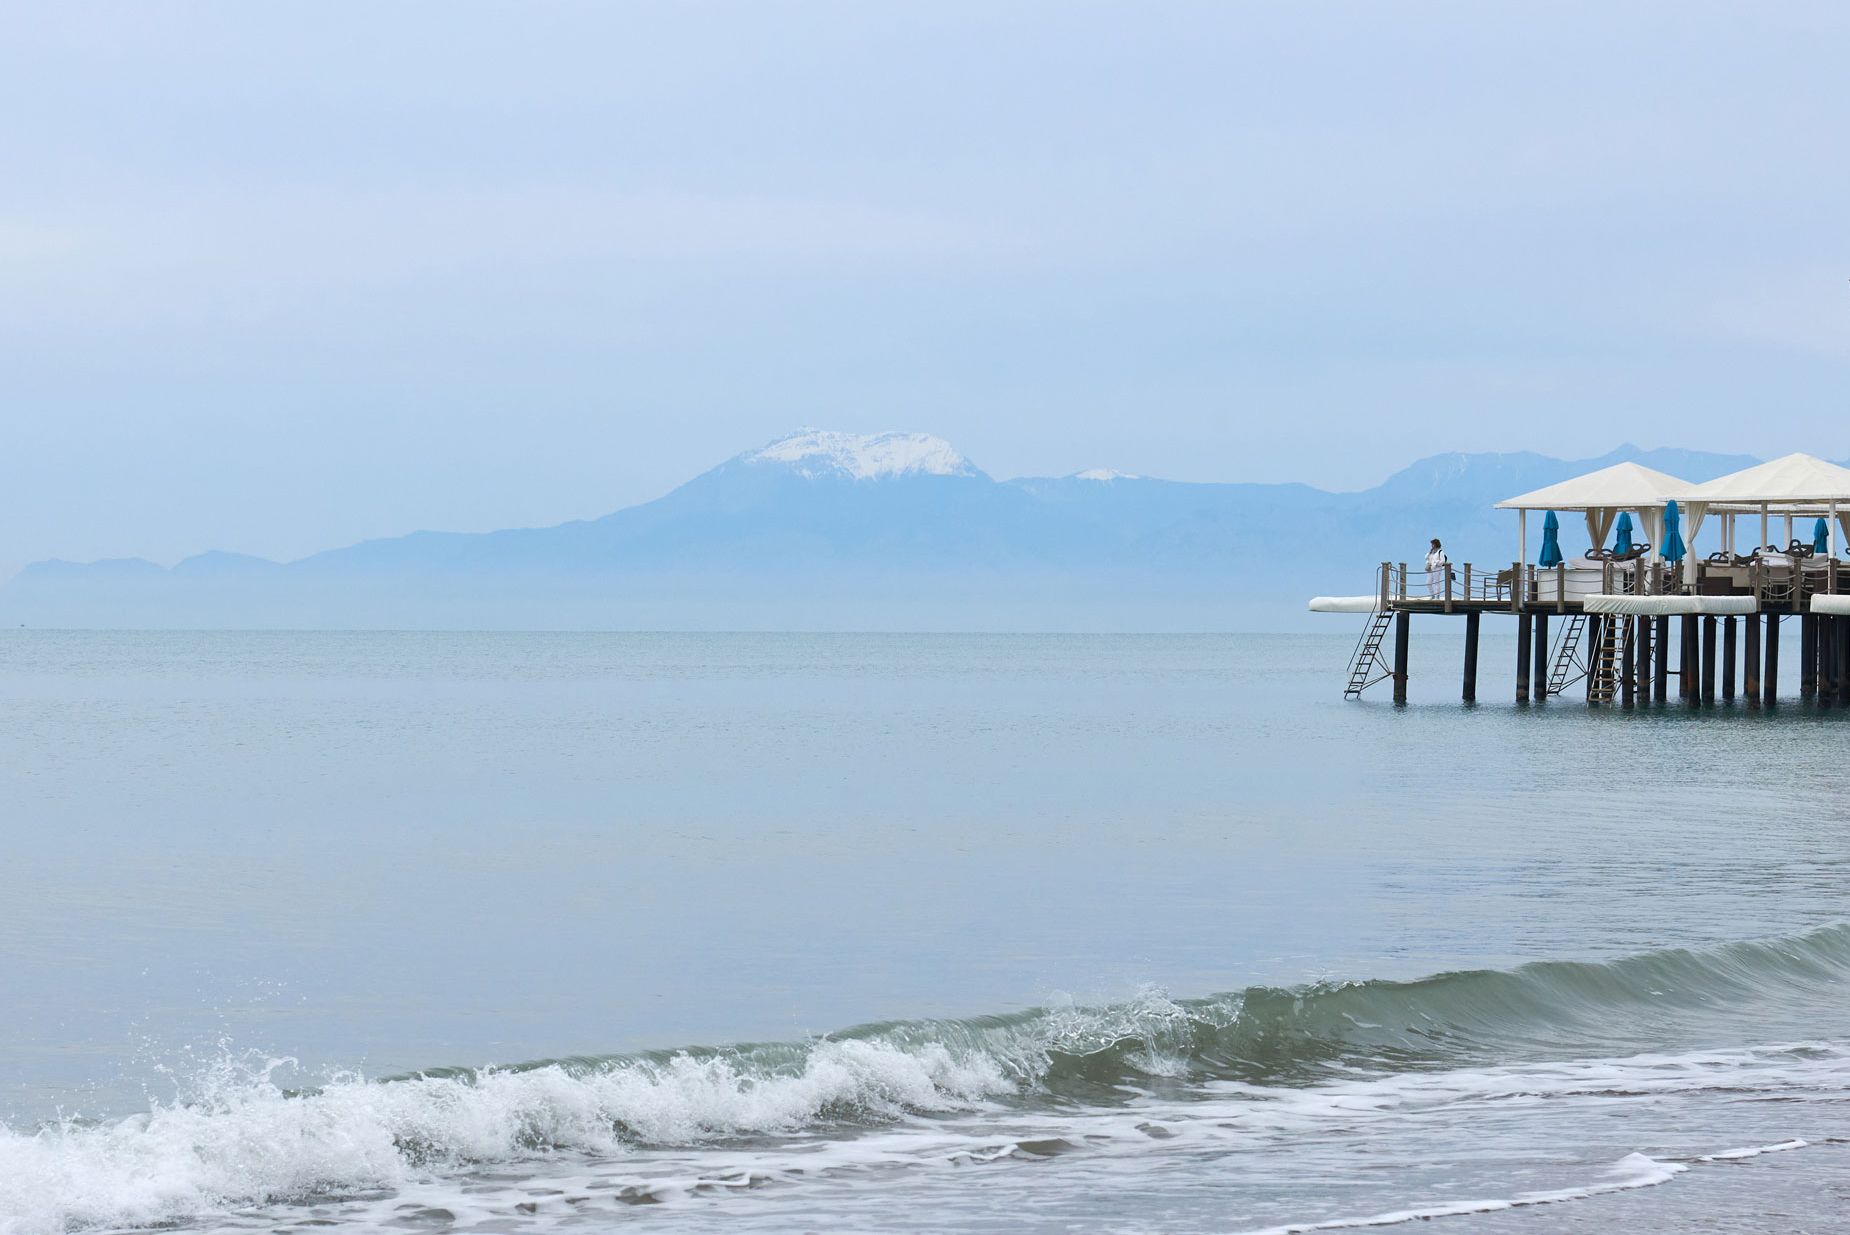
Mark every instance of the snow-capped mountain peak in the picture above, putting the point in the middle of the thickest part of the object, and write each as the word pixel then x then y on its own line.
pixel 1104 473
pixel 819 452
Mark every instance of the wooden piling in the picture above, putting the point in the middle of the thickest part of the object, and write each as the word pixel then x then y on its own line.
pixel 1628 662
pixel 1538 678
pixel 1728 659
pixel 1834 653
pixel 1833 660
pixel 1593 632
pixel 1831 666
pixel 1830 662
pixel 1641 655
pixel 1750 668
pixel 1687 669
pixel 1402 621
pixel 1660 670
pixel 1825 640
pixel 1523 631
pixel 1471 621
pixel 1827 662
pixel 1708 660
pixel 1843 658
pixel 1808 656
pixel 1769 669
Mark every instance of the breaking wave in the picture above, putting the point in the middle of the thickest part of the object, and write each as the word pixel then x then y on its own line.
pixel 241 1137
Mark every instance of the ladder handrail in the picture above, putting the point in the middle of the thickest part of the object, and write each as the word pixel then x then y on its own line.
pixel 1603 680
pixel 1566 657
pixel 1367 654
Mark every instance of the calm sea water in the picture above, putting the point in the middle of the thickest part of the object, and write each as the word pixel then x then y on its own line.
pixel 509 932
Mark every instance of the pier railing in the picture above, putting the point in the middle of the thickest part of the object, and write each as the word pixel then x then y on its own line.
pixel 1781 581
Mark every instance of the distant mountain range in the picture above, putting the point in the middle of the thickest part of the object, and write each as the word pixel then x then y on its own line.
pixel 827 530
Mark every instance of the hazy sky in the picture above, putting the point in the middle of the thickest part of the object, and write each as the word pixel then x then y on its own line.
pixel 275 277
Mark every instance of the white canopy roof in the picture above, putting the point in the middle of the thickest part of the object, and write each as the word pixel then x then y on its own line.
pixel 1623 486
pixel 1792 480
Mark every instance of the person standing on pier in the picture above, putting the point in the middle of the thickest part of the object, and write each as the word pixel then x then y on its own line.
pixel 1437 564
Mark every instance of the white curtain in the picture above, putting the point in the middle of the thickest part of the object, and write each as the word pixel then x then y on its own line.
pixel 1651 519
pixel 1693 515
pixel 1599 525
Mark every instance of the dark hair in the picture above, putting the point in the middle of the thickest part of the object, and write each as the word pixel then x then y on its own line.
pixel 1435 542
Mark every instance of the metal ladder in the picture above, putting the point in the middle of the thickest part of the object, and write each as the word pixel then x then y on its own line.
pixel 1604 677
pixel 1365 667
pixel 1567 657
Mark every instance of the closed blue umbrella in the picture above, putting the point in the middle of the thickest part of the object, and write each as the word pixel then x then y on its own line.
pixel 1551 541
pixel 1673 549
pixel 1622 533
pixel 1821 537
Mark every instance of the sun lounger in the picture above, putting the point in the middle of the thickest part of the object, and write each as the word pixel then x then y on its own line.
pixel 1613 555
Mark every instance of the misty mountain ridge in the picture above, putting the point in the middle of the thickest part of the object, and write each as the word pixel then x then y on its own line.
pixel 891 530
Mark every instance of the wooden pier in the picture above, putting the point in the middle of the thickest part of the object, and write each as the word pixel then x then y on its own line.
pixel 1608 630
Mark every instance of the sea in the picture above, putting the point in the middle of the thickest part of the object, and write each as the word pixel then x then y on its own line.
pixel 509 932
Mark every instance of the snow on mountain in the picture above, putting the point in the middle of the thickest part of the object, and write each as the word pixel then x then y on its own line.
pixel 817 453
pixel 1104 473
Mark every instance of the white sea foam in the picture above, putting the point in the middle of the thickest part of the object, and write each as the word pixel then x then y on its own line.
pixel 1803 1065
pixel 1633 1171
pixel 245 1140
pixel 359 1152
pixel 1753 1151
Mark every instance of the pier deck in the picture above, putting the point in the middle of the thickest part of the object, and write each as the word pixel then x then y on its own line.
pixel 1616 632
